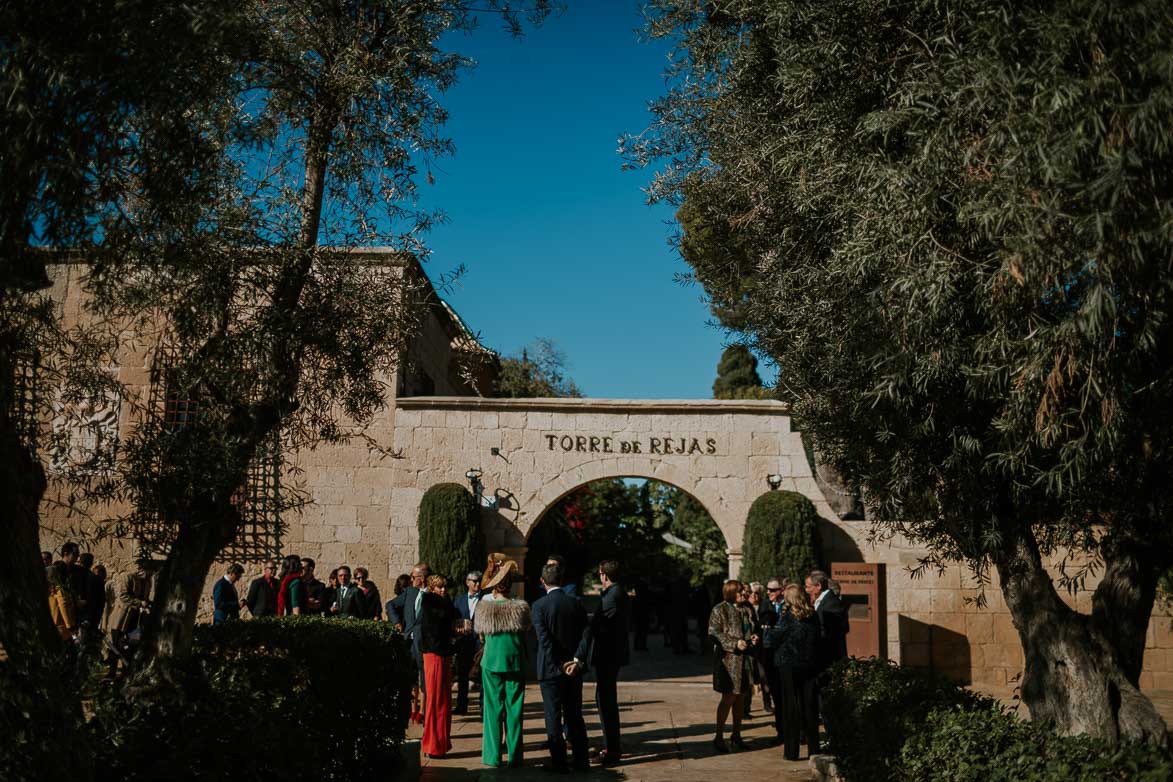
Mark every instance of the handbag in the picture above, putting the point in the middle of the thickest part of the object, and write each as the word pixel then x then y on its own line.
pixel 475 671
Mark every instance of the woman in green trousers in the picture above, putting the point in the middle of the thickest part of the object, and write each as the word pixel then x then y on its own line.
pixel 502 622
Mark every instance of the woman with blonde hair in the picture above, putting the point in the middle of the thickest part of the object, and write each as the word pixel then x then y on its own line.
pixel 437 628
pixel 503 623
pixel 794 640
pixel 732 632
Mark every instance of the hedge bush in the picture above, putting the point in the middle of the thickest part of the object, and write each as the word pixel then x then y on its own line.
pixel 311 697
pixel 987 744
pixel 890 723
pixel 451 539
pixel 781 538
pixel 872 707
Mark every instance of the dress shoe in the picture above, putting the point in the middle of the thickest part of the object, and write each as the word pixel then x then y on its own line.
pixel 738 742
pixel 720 746
pixel 605 758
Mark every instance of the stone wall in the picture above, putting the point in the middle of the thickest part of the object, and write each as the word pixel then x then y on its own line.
pixel 347 486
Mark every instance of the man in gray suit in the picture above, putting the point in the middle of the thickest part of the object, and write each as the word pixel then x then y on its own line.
pixel 404 612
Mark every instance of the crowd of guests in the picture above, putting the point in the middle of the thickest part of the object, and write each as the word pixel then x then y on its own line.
pixel 290 587
pixel 482 635
pixel 93 613
pixel 776 637
pixel 782 637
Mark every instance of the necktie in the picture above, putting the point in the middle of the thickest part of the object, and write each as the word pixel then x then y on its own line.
pixel 419 598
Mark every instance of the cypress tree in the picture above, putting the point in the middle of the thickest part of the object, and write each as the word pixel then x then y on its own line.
pixel 451 539
pixel 737 371
pixel 781 538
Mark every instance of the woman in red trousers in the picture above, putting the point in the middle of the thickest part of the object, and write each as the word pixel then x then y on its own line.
pixel 438 620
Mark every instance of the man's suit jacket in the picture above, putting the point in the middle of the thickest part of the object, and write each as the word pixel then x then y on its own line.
pixel 349 599
pixel 607 634
pixel 131 596
pixel 466 644
pixel 560 622
pixel 401 611
pixel 225 602
pixel 262 597
pixel 833 629
pixel 569 589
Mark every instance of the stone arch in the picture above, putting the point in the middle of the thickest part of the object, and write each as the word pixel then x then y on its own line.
pixel 555 490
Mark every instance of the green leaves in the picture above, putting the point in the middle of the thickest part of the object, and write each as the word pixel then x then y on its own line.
pixel 938 221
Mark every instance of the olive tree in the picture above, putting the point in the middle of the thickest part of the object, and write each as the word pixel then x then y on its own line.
pixel 954 222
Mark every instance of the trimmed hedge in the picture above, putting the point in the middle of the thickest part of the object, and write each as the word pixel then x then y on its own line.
pixel 885 722
pixel 989 745
pixel 451 539
pixel 781 538
pixel 310 697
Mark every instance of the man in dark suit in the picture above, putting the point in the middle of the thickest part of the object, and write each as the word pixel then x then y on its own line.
pixel 607 637
pixel 403 611
pixel 225 601
pixel 768 613
pixel 262 593
pixel 832 619
pixel 560 623
pixel 347 603
pixel 560 561
pixel 466 645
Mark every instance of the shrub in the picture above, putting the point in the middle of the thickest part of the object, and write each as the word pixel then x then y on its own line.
pixel 269 698
pixel 886 722
pixel 990 745
pixel 451 540
pixel 872 707
pixel 781 538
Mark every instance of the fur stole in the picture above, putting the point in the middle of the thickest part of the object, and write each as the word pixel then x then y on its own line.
pixel 502 616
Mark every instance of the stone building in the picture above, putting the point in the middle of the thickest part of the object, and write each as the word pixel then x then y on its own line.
pixel 527 454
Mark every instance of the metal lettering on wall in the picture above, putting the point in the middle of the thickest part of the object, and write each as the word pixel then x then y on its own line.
pixel 661 446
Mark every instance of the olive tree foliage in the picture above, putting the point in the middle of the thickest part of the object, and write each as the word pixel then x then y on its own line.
pixel 540 371
pixel 279 326
pixel 75 78
pixel 221 233
pixel 956 217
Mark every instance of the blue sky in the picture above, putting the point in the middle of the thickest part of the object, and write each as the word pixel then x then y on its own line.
pixel 558 242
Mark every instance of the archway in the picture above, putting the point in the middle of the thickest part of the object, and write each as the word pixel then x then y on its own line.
pixel 673 554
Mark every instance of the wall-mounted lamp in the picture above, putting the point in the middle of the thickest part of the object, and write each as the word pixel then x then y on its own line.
pixel 478 489
pixel 775 481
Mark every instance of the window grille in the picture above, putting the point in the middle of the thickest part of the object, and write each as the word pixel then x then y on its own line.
pixel 258 499
pixel 24 399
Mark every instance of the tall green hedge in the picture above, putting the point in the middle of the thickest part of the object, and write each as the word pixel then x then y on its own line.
pixel 451 540
pixel 278 699
pixel 781 538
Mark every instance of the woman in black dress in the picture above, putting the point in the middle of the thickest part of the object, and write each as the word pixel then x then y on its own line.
pixel 794 639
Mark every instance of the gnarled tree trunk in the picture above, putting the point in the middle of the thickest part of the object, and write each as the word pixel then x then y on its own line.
pixel 35 689
pixel 169 630
pixel 1076 677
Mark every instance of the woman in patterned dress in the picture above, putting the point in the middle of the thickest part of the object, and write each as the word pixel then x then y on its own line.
pixel 733 638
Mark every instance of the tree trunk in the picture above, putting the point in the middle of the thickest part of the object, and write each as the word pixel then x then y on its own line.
pixel 170 626
pixel 1074 678
pixel 36 678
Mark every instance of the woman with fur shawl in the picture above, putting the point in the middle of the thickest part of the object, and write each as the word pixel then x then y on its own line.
pixel 503 623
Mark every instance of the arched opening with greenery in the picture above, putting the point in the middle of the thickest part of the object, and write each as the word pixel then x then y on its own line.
pixel 658 532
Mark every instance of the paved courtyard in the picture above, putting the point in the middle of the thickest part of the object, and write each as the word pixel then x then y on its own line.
pixel 667 706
